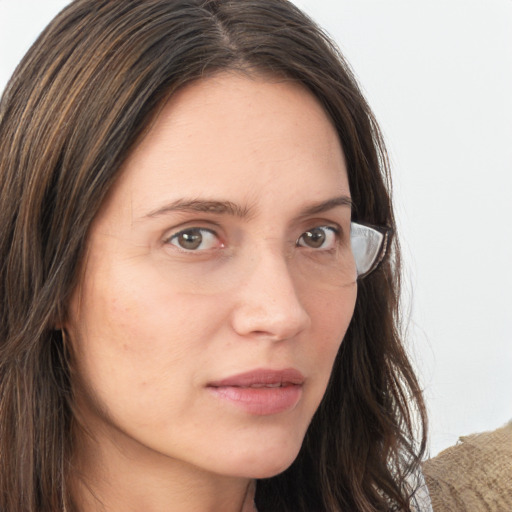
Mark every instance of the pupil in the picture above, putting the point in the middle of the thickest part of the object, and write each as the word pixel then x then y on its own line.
pixel 315 237
pixel 190 239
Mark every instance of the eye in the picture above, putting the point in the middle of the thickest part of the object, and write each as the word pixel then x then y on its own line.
pixel 321 237
pixel 195 239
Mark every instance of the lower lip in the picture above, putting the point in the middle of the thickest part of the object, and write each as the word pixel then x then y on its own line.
pixel 260 401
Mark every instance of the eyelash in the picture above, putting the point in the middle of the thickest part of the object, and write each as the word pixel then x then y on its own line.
pixel 209 232
pixel 331 229
pixel 184 232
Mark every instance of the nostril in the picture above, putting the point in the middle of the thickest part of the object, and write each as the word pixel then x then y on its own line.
pixel 273 322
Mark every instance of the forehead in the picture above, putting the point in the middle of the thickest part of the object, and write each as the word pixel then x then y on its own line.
pixel 236 137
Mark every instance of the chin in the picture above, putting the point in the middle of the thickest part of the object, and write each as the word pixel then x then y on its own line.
pixel 266 463
pixel 268 471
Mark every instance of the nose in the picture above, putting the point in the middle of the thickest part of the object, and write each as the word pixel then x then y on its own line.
pixel 268 305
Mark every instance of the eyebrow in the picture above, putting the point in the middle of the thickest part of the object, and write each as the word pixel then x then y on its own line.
pixel 236 210
pixel 205 206
pixel 327 205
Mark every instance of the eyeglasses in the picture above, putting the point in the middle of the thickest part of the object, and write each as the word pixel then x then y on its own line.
pixel 337 267
pixel 370 245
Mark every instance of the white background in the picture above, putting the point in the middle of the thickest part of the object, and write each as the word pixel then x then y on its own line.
pixel 438 75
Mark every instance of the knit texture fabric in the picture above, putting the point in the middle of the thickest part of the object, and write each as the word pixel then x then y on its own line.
pixel 475 475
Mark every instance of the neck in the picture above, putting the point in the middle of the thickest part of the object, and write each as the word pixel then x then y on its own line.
pixel 119 474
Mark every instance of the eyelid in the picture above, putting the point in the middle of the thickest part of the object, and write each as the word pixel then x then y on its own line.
pixel 200 223
pixel 333 226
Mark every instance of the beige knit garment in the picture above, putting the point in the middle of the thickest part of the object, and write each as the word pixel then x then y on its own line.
pixel 475 475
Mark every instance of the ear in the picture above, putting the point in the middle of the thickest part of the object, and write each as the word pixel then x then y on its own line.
pixel 58 321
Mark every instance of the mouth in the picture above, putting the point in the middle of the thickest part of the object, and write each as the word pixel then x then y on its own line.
pixel 262 391
pixel 275 385
pixel 262 377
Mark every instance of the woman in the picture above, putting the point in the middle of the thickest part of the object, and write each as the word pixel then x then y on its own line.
pixel 185 192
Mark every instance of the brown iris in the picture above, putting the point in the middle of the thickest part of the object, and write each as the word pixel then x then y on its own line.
pixel 190 239
pixel 314 238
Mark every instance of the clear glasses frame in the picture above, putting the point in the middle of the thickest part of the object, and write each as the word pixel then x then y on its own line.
pixel 370 244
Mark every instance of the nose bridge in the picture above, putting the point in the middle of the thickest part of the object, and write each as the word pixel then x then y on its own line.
pixel 271 262
pixel 269 302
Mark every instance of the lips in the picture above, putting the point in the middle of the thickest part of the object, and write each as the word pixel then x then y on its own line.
pixel 262 391
pixel 262 378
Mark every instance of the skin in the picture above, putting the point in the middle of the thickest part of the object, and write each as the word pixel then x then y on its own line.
pixel 153 324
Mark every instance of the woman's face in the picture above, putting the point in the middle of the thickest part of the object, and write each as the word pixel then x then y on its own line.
pixel 219 281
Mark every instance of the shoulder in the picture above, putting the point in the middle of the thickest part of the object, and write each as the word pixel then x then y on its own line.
pixel 420 501
pixel 474 475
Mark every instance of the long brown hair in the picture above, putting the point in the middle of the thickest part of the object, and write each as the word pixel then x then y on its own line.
pixel 83 95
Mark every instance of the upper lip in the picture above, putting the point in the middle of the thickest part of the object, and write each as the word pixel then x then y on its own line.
pixel 261 377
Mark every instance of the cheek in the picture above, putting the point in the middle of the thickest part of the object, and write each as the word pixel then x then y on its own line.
pixel 116 345
pixel 331 314
pixel 139 334
pixel 131 357
pixel 332 310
